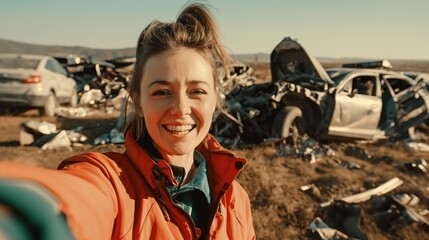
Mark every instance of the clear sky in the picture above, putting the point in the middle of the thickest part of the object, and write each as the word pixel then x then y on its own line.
pixel 392 29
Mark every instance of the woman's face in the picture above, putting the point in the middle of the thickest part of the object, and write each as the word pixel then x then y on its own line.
pixel 178 99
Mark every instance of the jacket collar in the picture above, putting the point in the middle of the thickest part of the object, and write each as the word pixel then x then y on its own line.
pixel 222 164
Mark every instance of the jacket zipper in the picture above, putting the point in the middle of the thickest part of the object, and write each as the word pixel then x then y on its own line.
pixel 183 213
pixel 216 205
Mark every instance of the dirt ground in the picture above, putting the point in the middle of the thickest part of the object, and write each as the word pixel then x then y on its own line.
pixel 281 210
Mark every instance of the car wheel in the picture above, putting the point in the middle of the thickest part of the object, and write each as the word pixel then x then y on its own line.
pixel 73 99
pixel 289 124
pixel 48 109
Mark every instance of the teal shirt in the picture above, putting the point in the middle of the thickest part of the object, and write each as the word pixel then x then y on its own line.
pixel 194 196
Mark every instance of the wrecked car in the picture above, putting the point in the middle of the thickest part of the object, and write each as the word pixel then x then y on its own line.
pixel 357 101
pixel 240 74
pixel 35 81
pixel 419 76
pixel 98 75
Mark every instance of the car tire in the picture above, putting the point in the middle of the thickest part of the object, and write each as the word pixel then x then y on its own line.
pixel 289 125
pixel 50 106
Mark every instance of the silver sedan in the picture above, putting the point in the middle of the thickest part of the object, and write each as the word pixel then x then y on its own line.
pixel 35 81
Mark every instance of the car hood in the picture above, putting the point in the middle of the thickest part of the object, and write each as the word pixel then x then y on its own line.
pixel 290 62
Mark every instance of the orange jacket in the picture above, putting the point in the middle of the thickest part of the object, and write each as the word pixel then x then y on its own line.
pixel 118 196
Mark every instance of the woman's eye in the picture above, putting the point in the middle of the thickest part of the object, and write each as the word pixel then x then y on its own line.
pixel 161 92
pixel 198 91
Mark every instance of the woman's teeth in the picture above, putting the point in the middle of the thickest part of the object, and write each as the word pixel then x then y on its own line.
pixel 179 129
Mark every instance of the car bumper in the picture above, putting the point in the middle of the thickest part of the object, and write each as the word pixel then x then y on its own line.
pixel 14 100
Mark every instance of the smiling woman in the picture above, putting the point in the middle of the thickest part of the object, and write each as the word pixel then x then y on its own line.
pixel 175 181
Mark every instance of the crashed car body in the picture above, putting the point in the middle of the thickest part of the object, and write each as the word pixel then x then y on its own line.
pixel 98 75
pixel 240 74
pixel 419 76
pixel 356 103
pixel 34 81
pixel 359 101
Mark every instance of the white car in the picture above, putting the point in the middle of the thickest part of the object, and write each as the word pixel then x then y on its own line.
pixel 35 81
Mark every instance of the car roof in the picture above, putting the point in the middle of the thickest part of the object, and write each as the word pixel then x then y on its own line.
pixel 368 70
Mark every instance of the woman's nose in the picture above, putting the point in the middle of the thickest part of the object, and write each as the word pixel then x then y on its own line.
pixel 181 105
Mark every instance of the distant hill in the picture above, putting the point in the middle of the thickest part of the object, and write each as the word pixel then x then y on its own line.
pixel 8 46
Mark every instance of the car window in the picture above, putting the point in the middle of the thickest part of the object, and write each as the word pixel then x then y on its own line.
pixel 364 85
pixel 50 65
pixel 54 66
pixel 398 84
pixel 19 62
pixel 347 87
pixel 337 76
pixel 58 67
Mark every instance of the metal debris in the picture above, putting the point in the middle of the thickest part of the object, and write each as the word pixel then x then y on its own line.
pixel 78 112
pixel 32 130
pixel 305 147
pixel 416 146
pixel 312 190
pixel 346 218
pixel 363 196
pixel 53 141
pixel 91 97
pixel 347 164
pixel 358 152
pixel 324 231
pixel 46 136
pixel 395 213
pixel 407 199
pixel 114 136
pixel 240 75
pixel 418 166
pixel 76 137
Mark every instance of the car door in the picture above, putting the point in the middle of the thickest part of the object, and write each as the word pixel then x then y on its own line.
pixel 411 101
pixel 62 84
pixel 356 106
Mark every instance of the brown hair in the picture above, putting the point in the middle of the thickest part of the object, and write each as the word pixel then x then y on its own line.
pixel 194 29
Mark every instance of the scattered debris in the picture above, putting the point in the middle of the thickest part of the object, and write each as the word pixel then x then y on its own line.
pixel 114 136
pixel 418 166
pixel 358 152
pixel 32 130
pixel 346 218
pixel 305 147
pixel 76 137
pixel 394 213
pixel 78 112
pixel 53 140
pixel 363 196
pixel 348 165
pixel 91 97
pixel 240 75
pixel 416 146
pixel 407 199
pixel 324 231
pixel 46 136
pixel 312 190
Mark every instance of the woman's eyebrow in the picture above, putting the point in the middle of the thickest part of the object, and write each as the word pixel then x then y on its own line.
pixel 190 82
pixel 195 82
pixel 161 82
